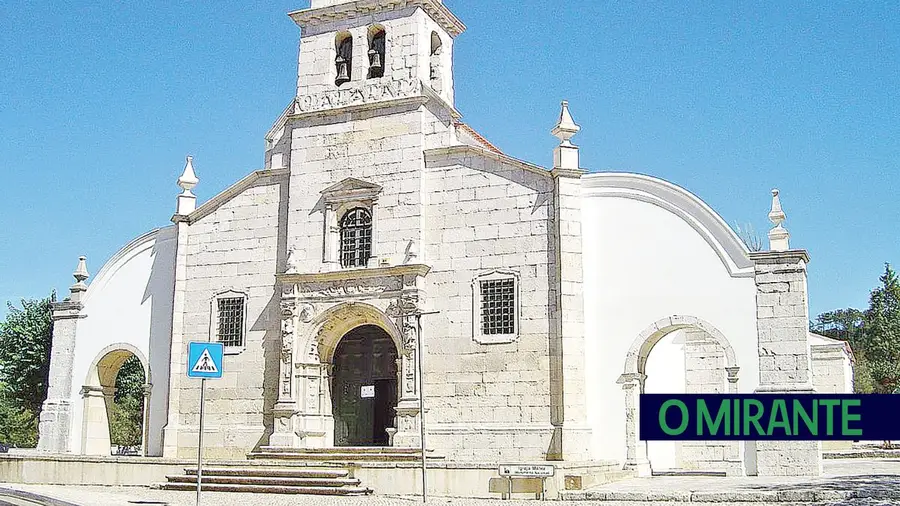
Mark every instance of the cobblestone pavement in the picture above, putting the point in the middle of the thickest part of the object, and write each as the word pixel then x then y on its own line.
pixel 876 482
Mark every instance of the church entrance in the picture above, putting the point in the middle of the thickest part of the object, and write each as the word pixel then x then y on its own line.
pixel 364 387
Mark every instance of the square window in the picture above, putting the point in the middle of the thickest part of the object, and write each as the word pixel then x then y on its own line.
pixel 230 316
pixel 498 307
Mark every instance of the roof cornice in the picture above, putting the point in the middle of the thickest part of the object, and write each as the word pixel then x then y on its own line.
pixel 434 8
pixel 431 156
pixel 229 193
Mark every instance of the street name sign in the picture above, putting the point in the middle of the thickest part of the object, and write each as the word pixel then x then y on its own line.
pixel 527 470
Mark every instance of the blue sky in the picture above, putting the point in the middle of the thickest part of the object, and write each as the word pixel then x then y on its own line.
pixel 101 101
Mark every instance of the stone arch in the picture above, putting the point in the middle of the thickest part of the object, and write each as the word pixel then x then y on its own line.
pixel 327 329
pixel 636 360
pixel 97 393
pixel 634 376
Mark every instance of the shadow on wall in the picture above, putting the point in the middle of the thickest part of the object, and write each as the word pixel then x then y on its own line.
pixel 160 290
pixel 270 322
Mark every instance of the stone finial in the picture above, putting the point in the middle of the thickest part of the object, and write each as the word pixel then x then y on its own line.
pixel 80 275
pixel 778 236
pixel 188 179
pixel 565 156
pixel 187 201
pixel 565 127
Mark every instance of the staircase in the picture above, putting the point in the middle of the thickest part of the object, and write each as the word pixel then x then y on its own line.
pixel 269 479
pixel 342 454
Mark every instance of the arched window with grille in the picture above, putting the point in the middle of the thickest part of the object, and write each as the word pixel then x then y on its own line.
pixel 356 237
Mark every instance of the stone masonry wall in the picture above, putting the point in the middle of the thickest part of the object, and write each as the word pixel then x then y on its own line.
pixel 784 354
pixel 236 247
pixel 704 361
pixel 487 401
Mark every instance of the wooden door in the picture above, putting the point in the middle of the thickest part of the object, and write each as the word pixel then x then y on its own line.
pixel 364 387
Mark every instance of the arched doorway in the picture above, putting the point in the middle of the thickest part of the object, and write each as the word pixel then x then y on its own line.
pixel 115 396
pixel 364 387
pixel 688 356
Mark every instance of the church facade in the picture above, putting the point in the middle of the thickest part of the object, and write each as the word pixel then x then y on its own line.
pixel 387 251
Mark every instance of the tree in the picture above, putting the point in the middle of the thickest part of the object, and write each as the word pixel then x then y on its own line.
pixel 25 338
pixel 18 427
pixel 127 412
pixel 844 324
pixel 882 332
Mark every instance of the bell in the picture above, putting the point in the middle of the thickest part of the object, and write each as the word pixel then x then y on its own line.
pixel 375 59
pixel 342 76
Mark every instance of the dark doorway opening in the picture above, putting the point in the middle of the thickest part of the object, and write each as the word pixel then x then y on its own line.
pixel 364 388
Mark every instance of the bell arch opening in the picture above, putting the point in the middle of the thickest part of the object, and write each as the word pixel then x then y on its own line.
pixel 364 387
pixel 115 399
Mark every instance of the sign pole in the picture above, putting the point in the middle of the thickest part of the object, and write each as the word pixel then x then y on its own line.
pixel 420 356
pixel 200 439
pixel 422 406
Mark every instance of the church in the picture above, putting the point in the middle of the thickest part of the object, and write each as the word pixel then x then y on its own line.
pixel 391 275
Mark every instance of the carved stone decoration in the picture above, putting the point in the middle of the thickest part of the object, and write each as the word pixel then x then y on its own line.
pixel 348 288
pixel 307 311
pixel 409 337
pixel 366 93
pixel 402 307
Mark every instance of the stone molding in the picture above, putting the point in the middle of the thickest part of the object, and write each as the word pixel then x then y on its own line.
pixel 229 193
pixel 463 150
pixel 434 8
pixel 682 203
pixel 769 257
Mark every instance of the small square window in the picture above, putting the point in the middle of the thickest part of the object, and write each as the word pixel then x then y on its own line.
pixel 495 307
pixel 498 307
pixel 230 321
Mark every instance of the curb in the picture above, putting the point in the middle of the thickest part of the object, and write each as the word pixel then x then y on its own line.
pixel 21 494
pixel 755 497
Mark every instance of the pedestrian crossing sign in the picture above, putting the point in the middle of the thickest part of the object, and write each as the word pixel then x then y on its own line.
pixel 205 360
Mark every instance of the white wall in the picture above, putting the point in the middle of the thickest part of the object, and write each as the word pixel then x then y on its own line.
pixel 665 375
pixel 652 250
pixel 130 301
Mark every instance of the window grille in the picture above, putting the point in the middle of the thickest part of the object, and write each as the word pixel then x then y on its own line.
pixel 231 321
pixel 356 238
pixel 498 313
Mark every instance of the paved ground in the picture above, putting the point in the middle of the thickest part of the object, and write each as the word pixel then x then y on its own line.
pixel 858 482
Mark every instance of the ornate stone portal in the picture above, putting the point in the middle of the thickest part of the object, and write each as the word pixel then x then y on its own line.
pixel 317 310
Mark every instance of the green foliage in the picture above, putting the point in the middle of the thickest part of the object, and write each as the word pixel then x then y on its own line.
pixel 873 334
pixel 127 412
pixel 18 427
pixel 25 338
pixel 863 383
pixel 882 329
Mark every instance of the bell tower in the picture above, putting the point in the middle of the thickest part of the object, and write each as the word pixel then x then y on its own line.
pixel 360 51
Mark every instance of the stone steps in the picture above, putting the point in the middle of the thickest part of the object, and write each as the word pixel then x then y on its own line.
pixel 267 480
pixel 268 489
pixel 279 472
pixel 341 454
pixel 272 480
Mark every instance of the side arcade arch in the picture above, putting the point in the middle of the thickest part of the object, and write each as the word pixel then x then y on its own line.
pixel 98 396
pixel 633 381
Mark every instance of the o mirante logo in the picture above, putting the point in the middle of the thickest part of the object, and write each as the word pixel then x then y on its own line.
pixel 768 417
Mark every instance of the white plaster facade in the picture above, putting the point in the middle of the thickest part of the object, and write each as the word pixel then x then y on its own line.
pixel 604 266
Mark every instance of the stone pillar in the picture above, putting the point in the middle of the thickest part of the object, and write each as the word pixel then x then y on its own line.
pixel 407 433
pixel 55 422
pixel 572 434
pixel 285 408
pixel 785 361
pixel 784 354
pixel 635 449
pixel 178 347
